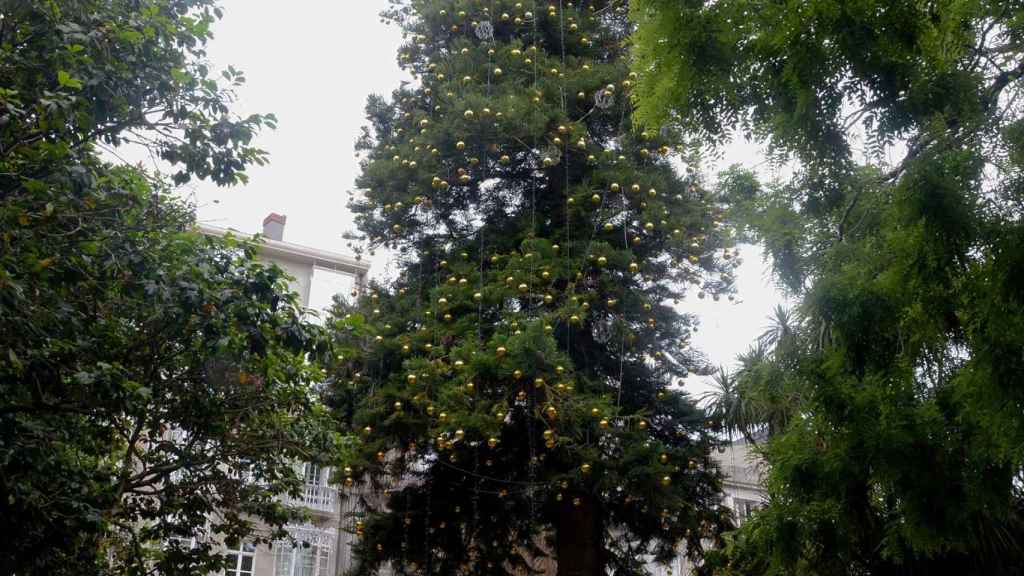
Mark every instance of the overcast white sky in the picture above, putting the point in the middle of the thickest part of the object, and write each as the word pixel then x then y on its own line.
pixel 313 63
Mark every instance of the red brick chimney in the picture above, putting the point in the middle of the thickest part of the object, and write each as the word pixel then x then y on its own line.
pixel 273 226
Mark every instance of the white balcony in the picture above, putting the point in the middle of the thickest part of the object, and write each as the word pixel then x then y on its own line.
pixel 317 497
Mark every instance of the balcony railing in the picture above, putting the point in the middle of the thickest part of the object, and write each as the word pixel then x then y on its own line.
pixel 319 497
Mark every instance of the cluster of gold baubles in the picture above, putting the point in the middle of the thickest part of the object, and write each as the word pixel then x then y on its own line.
pixel 520 17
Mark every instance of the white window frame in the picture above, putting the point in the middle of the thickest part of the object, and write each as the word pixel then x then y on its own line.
pixel 300 560
pixel 240 552
pixel 319 475
pixel 744 508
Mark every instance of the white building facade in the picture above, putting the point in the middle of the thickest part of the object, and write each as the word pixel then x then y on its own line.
pixel 316 276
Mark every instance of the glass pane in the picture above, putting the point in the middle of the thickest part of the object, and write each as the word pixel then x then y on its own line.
pixel 312 474
pixel 248 547
pixel 324 560
pixel 247 563
pixel 307 561
pixel 284 560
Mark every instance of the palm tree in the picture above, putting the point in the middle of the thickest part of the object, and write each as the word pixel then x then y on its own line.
pixel 727 405
pixel 783 331
pixel 760 397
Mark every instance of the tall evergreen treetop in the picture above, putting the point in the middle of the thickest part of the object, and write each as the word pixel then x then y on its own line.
pixel 513 388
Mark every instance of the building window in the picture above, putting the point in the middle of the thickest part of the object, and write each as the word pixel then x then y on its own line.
pixel 313 474
pixel 744 508
pixel 306 553
pixel 304 559
pixel 241 558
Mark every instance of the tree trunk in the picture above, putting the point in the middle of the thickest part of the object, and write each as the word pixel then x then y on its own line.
pixel 579 542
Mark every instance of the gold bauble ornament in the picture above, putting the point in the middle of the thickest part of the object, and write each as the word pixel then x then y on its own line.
pixel 585 468
pixel 523 288
pixel 478 297
pixel 663 458
pixel 643 424
pixel 548 298
pixel 603 423
pixel 500 351
pixel 551 412
pixel 666 480
pixel 602 261
pixel 517 374
pixel 460 145
pixel 398 406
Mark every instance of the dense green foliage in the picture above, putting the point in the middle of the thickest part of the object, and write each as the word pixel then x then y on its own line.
pixel 903 449
pixel 153 382
pixel 512 389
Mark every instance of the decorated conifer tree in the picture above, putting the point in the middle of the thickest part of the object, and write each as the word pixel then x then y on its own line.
pixel 512 388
